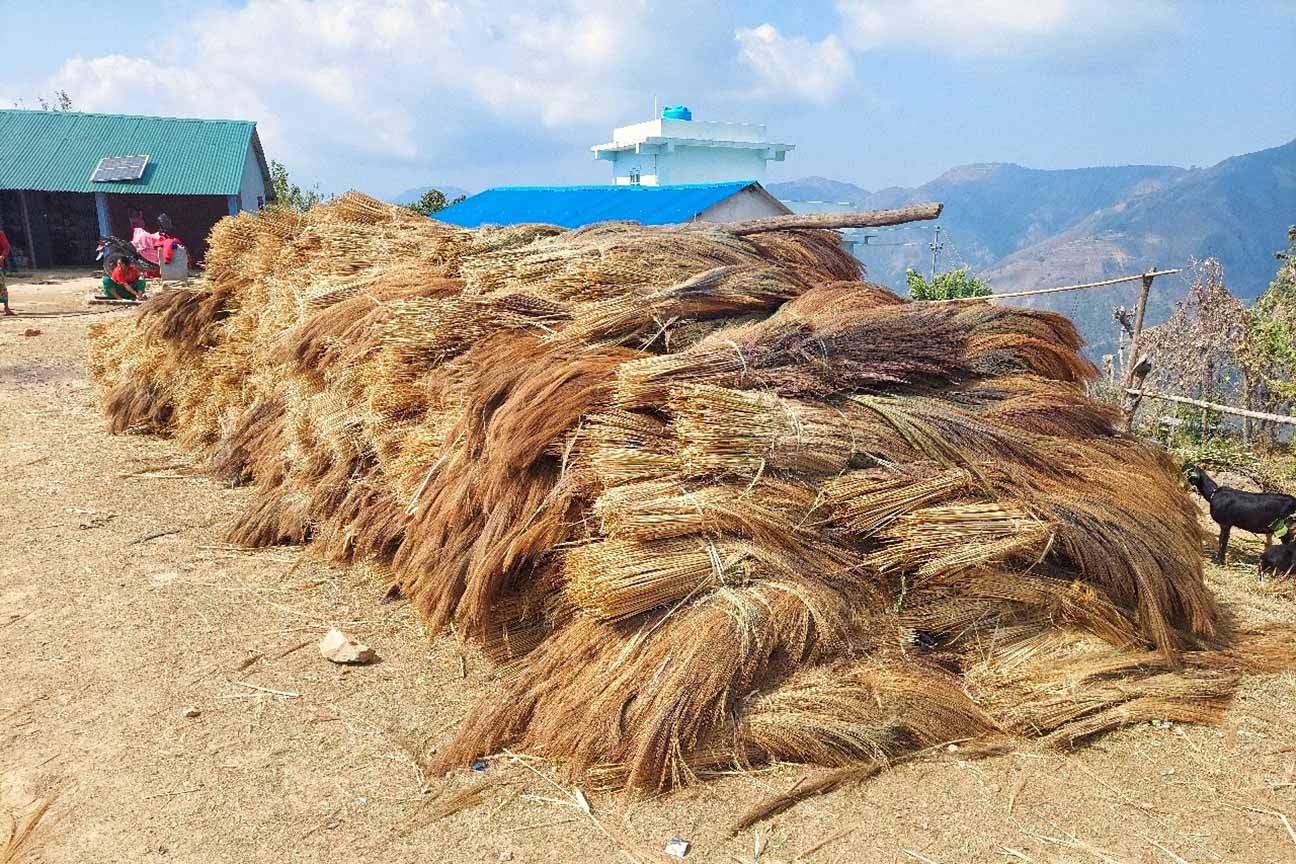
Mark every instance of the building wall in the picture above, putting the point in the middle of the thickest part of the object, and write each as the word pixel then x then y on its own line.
pixel 710 129
pixel 64 227
pixel 628 162
pixel 709 165
pixel 747 204
pixel 252 191
pixel 689 165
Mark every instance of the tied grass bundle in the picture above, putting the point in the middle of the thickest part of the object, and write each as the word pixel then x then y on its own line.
pixel 711 499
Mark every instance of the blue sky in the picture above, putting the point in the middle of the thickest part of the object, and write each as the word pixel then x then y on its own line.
pixel 382 95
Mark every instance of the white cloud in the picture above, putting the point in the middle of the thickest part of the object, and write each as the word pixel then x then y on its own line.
pixel 1002 27
pixel 392 79
pixel 401 92
pixel 793 65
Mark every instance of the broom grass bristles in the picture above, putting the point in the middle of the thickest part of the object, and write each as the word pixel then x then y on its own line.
pixel 712 500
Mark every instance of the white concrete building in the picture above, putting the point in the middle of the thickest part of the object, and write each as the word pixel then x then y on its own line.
pixel 675 149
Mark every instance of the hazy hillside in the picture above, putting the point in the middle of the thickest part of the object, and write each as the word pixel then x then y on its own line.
pixel 818 189
pixel 1237 211
pixel 1021 228
pixel 409 196
pixel 990 210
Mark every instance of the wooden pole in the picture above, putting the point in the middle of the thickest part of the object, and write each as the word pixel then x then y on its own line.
pixel 101 213
pixel 1246 394
pixel 1224 409
pixel 1132 373
pixel 31 244
pixel 862 219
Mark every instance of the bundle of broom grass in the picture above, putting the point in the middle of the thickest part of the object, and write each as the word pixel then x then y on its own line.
pixel 709 497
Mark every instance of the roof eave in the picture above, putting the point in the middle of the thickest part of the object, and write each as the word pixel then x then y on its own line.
pixel 765 193
pixel 264 166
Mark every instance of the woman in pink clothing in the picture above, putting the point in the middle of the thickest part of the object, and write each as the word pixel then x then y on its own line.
pixel 4 290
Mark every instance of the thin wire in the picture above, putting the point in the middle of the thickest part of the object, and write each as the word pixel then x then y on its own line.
pixel 955 250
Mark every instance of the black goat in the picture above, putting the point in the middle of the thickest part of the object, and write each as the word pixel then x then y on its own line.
pixel 1257 512
pixel 1279 560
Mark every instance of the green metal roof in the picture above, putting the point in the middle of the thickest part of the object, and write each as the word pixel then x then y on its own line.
pixel 57 151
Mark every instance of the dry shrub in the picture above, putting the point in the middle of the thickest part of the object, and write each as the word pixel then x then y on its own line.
pixel 711 499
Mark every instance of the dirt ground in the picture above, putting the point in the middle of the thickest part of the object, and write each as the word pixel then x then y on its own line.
pixel 123 612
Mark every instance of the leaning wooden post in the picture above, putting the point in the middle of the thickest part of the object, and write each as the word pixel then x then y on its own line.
pixel 854 219
pixel 1137 369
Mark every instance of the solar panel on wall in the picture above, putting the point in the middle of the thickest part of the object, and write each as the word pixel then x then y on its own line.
pixel 115 169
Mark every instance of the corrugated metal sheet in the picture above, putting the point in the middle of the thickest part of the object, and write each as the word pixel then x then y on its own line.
pixel 56 151
pixel 574 206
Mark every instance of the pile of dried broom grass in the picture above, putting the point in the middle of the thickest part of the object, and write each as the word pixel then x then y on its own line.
pixel 711 498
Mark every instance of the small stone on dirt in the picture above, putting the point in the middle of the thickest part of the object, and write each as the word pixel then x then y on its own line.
pixel 337 647
pixel 191 712
pixel 31 331
pixel 506 856
pixel 678 847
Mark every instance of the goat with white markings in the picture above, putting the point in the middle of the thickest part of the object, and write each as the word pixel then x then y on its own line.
pixel 1257 512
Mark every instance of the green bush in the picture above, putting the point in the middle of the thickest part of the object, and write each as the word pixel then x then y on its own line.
pixel 952 285
pixel 1269 350
pixel 432 201
pixel 289 194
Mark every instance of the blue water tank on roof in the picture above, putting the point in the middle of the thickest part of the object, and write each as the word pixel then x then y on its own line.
pixel 676 112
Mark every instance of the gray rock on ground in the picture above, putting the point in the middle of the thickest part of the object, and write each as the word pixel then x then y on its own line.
pixel 337 647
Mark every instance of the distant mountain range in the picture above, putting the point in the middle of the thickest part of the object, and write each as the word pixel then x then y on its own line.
pixel 1021 228
pixel 410 196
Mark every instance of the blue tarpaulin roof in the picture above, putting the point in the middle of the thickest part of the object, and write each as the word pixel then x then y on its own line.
pixel 574 206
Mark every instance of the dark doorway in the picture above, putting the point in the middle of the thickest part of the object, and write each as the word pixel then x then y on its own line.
pixel 72 225
pixel 192 216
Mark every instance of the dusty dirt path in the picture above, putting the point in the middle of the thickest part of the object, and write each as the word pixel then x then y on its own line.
pixel 109 635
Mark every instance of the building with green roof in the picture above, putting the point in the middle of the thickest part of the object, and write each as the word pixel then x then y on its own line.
pixel 68 178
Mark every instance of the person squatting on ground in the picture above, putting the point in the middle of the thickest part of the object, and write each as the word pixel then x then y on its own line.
pixel 125 283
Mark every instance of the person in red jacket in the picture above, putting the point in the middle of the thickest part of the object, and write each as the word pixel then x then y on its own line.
pixel 4 256
pixel 124 283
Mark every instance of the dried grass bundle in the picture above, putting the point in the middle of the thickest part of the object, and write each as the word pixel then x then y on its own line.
pixel 719 292
pixel 774 512
pixel 946 538
pixel 746 432
pixel 825 341
pixel 655 690
pixel 446 327
pixel 866 501
pixel 848 712
pixel 616 579
pixel 820 255
pixel 792 517
pixel 185 315
pixel 959 607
